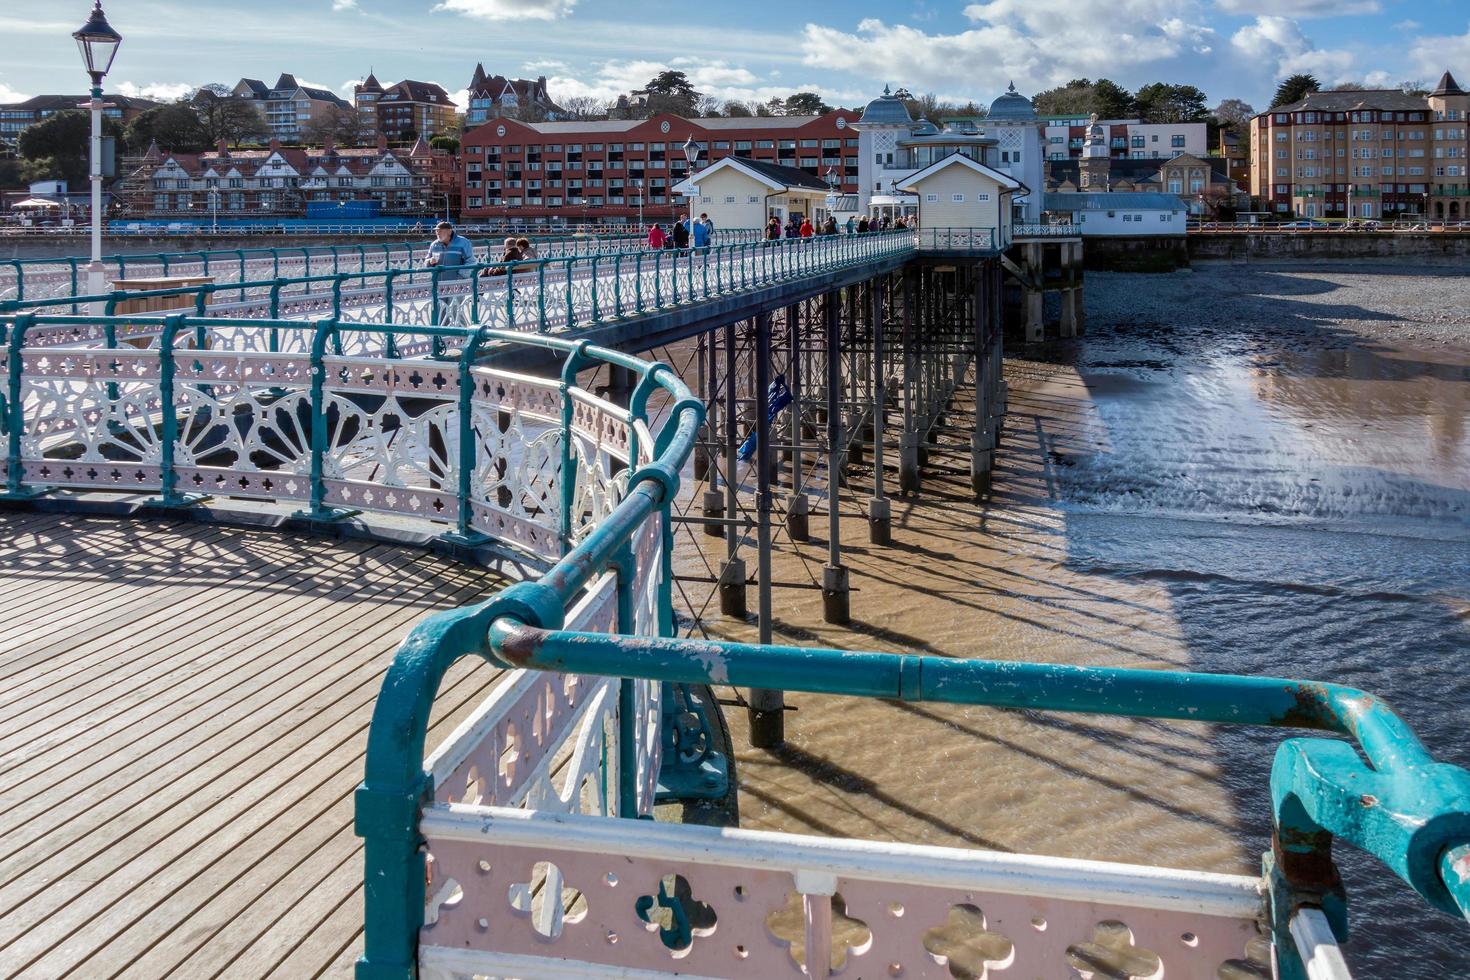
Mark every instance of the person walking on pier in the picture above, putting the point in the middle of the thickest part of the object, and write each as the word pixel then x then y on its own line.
pixel 773 229
pixel 863 227
pixel 851 223
pixel 700 233
pixel 829 227
pixel 656 237
pixel 450 249
pixel 527 250
pixel 806 230
pixel 681 235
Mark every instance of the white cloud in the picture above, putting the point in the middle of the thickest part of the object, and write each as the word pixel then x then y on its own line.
pixel 1277 44
pixel 338 6
pixel 1301 8
pixel 1434 54
pixel 1407 25
pixel 1036 43
pixel 711 77
pixel 8 94
pixel 509 9
pixel 158 91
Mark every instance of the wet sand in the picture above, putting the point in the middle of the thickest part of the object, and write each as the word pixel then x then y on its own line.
pixel 1240 469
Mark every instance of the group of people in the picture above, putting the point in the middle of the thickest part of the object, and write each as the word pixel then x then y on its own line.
pixel 450 249
pixel 683 233
pixel 800 226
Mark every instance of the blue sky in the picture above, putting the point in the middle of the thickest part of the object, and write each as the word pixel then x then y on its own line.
pixel 749 49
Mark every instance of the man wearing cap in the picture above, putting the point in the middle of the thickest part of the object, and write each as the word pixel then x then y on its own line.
pixel 450 249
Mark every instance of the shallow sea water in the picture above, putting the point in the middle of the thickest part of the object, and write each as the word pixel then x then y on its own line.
pixel 1256 498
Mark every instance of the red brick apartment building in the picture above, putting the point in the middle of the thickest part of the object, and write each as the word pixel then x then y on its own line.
pixel 539 173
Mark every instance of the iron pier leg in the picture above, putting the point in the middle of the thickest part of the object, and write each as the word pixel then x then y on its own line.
pixel 835 590
pixel 908 440
pixel 880 526
pixel 712 504
pixel 982 443
pixel 732 569
pixel 798 508
pixel 701 449
pixel 767 724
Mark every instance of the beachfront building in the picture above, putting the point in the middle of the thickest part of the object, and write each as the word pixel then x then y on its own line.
pixel 326 182
pixel 1129 214
pixel 495 96
pixel 1449 167
pixel 1131 139
pixel 1356 153
pixel 403 111
pixel 288 106
pixel 894 147
pixel 616 170
pixel 958 192
pixel 17 117
pixel 738 192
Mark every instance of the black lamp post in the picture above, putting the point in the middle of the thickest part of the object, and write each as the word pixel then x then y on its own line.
pixel 98 43
pixel 692 149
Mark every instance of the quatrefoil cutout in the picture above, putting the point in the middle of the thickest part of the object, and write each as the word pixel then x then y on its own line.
pixel 1111 955
pixel 966 946
pixel 547 900
pixel 849 935
pixel 677 916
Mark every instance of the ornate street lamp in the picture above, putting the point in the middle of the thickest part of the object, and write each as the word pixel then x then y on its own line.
pixel 692 149
pixel 98 43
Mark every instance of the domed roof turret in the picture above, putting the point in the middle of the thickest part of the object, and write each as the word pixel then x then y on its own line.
pixel 886 110
pixel 1012 106
pixel 925 128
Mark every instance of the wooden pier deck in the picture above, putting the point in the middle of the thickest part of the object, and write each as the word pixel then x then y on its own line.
pixel 183 713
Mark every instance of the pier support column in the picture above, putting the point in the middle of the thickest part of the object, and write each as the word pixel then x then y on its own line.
pixel 908 440
pixel 732 570
pixel 835 607
pixel 701 451
pixel 879 522
pixel 767 707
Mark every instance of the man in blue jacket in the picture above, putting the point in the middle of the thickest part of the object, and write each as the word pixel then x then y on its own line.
pixel 450 249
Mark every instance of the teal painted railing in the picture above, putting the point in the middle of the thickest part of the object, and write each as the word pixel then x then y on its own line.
pixel 50 278
pixel 539 295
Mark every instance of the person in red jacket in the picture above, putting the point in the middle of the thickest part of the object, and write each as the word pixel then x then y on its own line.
pixel 807 230
pixel 655 237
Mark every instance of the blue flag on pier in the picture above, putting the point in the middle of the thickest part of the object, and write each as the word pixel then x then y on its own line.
pixel 778 396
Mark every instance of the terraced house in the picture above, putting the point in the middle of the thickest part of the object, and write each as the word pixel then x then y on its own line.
pixel 282 181
pixel 1364 154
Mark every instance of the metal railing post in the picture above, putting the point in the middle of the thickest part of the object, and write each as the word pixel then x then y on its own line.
pixel 15 406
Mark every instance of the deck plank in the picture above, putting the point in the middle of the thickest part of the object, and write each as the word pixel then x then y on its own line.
pixel 188 709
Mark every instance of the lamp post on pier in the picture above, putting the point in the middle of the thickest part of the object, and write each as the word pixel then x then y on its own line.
pixel 98 43
pixel 692 149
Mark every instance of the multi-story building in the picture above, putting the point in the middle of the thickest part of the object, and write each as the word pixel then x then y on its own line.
pixel 16 117
pixel 1130 139
pixel 543 172
pixel 893 146
pixel 279 180
pixel 495 96
pixel 1355 154
pixel 1236 154
pixel 1449 183
pixel 289 107
pixel 403 111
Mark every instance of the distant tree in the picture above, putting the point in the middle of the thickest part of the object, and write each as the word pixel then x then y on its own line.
pixel 1234 114
pixel 1294 88
pixel 1112 101
pixel 64 140
pixel 446 143
pixel 671 91
pixel 1071 99
pixel 904 95
pixel 1417 87
pixel 972 110
pixel 763 109
pixel 583 107
pixel 735 108
pixel 39 169
pixel 1082 96
pixel 775 107
pixel 805 104
pixel 224 117
pixel 341 124
pixel 1162 102
pixel 408 135
pixel 707 105
pixel 10 173
pixel 174 127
